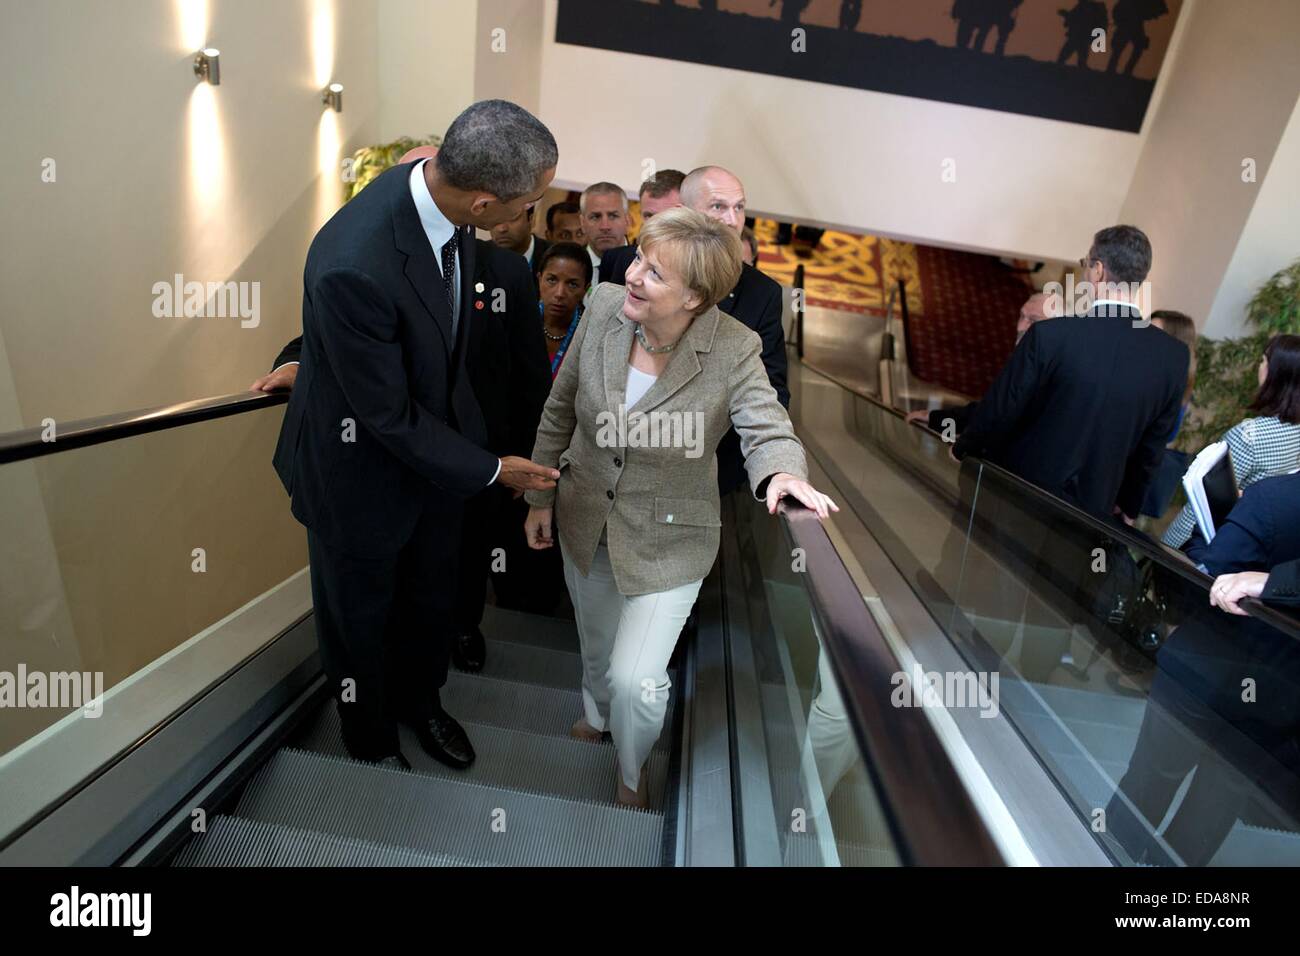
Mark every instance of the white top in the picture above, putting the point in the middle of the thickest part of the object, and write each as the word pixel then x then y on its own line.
pixel 638 383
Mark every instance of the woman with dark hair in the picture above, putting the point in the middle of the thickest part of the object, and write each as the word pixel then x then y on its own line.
pixel 1268 444
pixel 563 276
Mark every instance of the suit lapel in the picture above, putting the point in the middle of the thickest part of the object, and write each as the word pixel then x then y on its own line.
pixel 618 346
pixel 684 364
pixel 421 268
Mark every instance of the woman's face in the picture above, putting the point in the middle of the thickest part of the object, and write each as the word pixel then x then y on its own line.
pixel 655 292
pixel 1263 371
pixel 562 284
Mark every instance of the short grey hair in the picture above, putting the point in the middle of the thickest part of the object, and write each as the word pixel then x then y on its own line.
pixel 602 189
pixel 496 147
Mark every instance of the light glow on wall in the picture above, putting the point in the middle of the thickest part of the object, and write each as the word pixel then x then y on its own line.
pixel 192 17
pixel 322 43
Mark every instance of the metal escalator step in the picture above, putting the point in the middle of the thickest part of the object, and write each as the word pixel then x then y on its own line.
pixel 442 816
pixel 540 710
pixel 560 766
pixel 530 664
pixel 553 633
pixel 235 841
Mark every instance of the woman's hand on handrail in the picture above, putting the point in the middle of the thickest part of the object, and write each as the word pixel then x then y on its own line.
pixel 782 484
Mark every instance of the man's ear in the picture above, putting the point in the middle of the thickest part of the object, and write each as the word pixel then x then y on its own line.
pixel 481 203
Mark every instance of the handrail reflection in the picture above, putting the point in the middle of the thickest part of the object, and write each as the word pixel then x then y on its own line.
pixel 932 816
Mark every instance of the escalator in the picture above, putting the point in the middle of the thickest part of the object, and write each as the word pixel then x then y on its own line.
pixel 798 734
pixel 213 743
pixel 311 804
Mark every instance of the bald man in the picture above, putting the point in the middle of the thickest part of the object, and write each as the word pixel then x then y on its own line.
pixel 756 301
pixel 1034 310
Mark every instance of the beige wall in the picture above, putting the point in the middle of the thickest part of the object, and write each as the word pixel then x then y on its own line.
pixel 1229 95
pixel 155 174
pixel 1270 240
pixel 426 64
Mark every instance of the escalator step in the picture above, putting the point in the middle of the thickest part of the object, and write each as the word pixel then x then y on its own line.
pixel 234 841
pixel 530 664
pixel 553 633
pixel 560 766
pixel 541 710
pixel 443 816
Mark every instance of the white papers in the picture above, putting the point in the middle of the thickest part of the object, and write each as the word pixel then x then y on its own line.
pixel 1194 485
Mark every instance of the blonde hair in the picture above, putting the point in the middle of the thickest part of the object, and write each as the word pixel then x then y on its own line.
pixel 1183 328
pixel 703 251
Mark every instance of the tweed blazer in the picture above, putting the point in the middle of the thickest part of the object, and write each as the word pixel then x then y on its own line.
pixel 647 475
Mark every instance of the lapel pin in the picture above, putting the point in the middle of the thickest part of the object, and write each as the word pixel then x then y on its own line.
pixel 478 286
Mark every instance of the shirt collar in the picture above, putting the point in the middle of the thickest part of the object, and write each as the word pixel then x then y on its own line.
pixel 437 227
pixel 532 244
pixel 595 259
pixel 1117 302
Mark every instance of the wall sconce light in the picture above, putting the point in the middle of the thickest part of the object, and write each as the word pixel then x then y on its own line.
pixel 207 65
pixel 332 96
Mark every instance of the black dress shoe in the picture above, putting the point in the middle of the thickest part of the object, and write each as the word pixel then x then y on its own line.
pixel 444 740
pixel 469 650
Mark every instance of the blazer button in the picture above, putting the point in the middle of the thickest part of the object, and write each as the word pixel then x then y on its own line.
pixel 609 495
pixel 618 462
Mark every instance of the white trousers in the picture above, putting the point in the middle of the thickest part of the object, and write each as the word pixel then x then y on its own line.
pixel 626 643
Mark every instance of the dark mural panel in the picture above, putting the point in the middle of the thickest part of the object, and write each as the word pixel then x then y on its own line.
pixel 1035 57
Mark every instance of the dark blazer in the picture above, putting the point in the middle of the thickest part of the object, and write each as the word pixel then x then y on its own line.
pixel 1283 586
pixel 507 363
pixel 1262 531
pixel 540 246
pixel 757 303
pixel 1083 409
pixel 382 413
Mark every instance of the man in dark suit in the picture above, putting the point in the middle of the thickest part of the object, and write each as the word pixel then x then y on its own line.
pixel 1086 403
pixel 383 438
pixel 510 376
pixel 756 301
pixel 517 236
pixel 1083 410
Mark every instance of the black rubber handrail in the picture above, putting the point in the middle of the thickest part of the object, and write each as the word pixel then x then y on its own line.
pixel 30 442
pixel 932 817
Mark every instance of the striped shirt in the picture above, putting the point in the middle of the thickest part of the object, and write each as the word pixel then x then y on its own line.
pixel 1261 448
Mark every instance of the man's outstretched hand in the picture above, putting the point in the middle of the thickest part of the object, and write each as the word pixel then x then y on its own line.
pixel 520 474
pixel 282 377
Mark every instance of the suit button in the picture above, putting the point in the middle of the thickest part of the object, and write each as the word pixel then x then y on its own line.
pixel 618 462
pixel 609 495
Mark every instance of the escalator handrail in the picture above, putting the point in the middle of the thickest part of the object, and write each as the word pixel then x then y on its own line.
pixel 31 442
pixel 1256 608
pixel 931 814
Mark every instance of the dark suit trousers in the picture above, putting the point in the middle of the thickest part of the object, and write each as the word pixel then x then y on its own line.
pixel 385 624
pixel 525 580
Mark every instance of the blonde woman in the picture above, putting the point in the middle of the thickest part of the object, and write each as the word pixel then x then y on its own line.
pixel 654 377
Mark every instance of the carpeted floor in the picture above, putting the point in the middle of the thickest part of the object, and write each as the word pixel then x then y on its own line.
pixel 962 306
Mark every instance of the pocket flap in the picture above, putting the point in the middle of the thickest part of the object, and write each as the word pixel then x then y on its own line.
pixel 688 511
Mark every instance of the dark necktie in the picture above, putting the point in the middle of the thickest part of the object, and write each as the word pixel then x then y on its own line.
pixel 449 277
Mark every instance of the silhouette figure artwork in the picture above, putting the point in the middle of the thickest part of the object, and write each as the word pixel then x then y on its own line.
pixel 1131 18
pixel 1093 62
pixel 850 14
pixel 1081 21
pixel 791 10
pixel 976 19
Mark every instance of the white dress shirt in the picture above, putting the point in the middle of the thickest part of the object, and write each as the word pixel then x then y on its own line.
pixel 439 229
pixel 532 244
